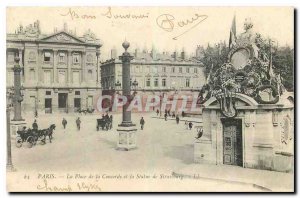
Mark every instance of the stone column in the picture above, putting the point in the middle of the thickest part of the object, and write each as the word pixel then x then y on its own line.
pixel 127 130
pixel 20 51
pixel 55 54
pixel 98 67
pixel 39 67
pixel 69 66
pixel 83 66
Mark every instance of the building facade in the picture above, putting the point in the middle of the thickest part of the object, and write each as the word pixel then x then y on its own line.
pixel 155 73
pixel 59 71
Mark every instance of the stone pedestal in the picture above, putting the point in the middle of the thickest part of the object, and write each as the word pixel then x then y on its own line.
pixel 127 137
pixel 15 126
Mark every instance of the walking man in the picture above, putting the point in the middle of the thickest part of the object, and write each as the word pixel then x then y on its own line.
pixel 177 119
pixel 166 116
pixel 35 125
pixel 157 112
pixel 78 122
pixel 64 123
pixel 190 125
pixel 142 122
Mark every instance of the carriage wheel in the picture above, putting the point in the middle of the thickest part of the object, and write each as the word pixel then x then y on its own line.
pixel 30 141
pixel 18 142
pixel 42 141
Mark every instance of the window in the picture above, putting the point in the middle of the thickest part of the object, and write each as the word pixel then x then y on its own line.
pixel 148 69
pixel 62 77
pixel 90 74
pixel 47 77
pixel 195 70
pixel 173 69
pixel 48 93
pixel 187 70
pixel 155 70
pixel 77 103
pixel 164 69
pixel 187 82
pixel 61 57
pixel 47 56
pixel 180 69
pixel 156 82
pixel 10 57
pixel 77 92
pixel 148 82
pixel 164 82
pixel 76 77
pixel 32 75
pixel 76 58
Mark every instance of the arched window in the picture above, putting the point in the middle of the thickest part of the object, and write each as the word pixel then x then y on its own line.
pixel 90 74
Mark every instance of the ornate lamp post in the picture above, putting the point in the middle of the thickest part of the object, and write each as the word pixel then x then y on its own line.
pixel 127 130
pixel 18 97
pixel 17 122
pixel 9 164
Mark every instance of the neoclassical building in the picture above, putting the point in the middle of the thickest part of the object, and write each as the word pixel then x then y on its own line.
pixel 59 70
pixel 155 73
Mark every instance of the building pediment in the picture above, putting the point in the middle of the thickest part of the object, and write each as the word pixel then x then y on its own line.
pixel 62 37
pixel 241 101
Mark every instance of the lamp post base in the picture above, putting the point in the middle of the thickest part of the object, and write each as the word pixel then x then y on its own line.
pixel 10 168
pixel 126 137
pixel 15 126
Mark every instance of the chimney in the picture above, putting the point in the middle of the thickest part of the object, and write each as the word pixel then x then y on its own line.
pixel 113 53
pixel 182 54
pixel 136 52
pixel 175 56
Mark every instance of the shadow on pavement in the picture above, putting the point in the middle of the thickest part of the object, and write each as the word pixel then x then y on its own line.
pixel 184 153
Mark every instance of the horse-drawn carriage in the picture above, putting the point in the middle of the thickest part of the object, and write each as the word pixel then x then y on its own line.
pixel 104 124
pixel 85 111
pixel 32 136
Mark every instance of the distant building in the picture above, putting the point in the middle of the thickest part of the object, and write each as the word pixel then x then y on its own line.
pixel 155 73
pixel 59 70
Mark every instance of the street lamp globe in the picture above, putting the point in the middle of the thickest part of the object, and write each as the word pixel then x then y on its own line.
pixel 125 45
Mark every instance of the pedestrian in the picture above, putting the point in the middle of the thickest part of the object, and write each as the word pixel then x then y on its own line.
pixel 173 114
pixel 177 119
pixel 111 121
pixel 142 122
pixel 64 123
pixel 166 116
pixel 186 124
pixel 78 122
pixel 35 125
pixel 190 125
pixel 169 112
pixel 157 112
pixel 183 114
pixel 106 116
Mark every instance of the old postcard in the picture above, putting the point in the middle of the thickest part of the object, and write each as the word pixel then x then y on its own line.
pixel 150 99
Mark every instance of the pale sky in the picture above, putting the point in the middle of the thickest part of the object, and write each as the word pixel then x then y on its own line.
pixel 274 22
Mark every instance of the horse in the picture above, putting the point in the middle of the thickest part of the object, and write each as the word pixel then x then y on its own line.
pixel 48 132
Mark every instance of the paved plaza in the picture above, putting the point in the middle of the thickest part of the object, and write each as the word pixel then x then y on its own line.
pixel 163 147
